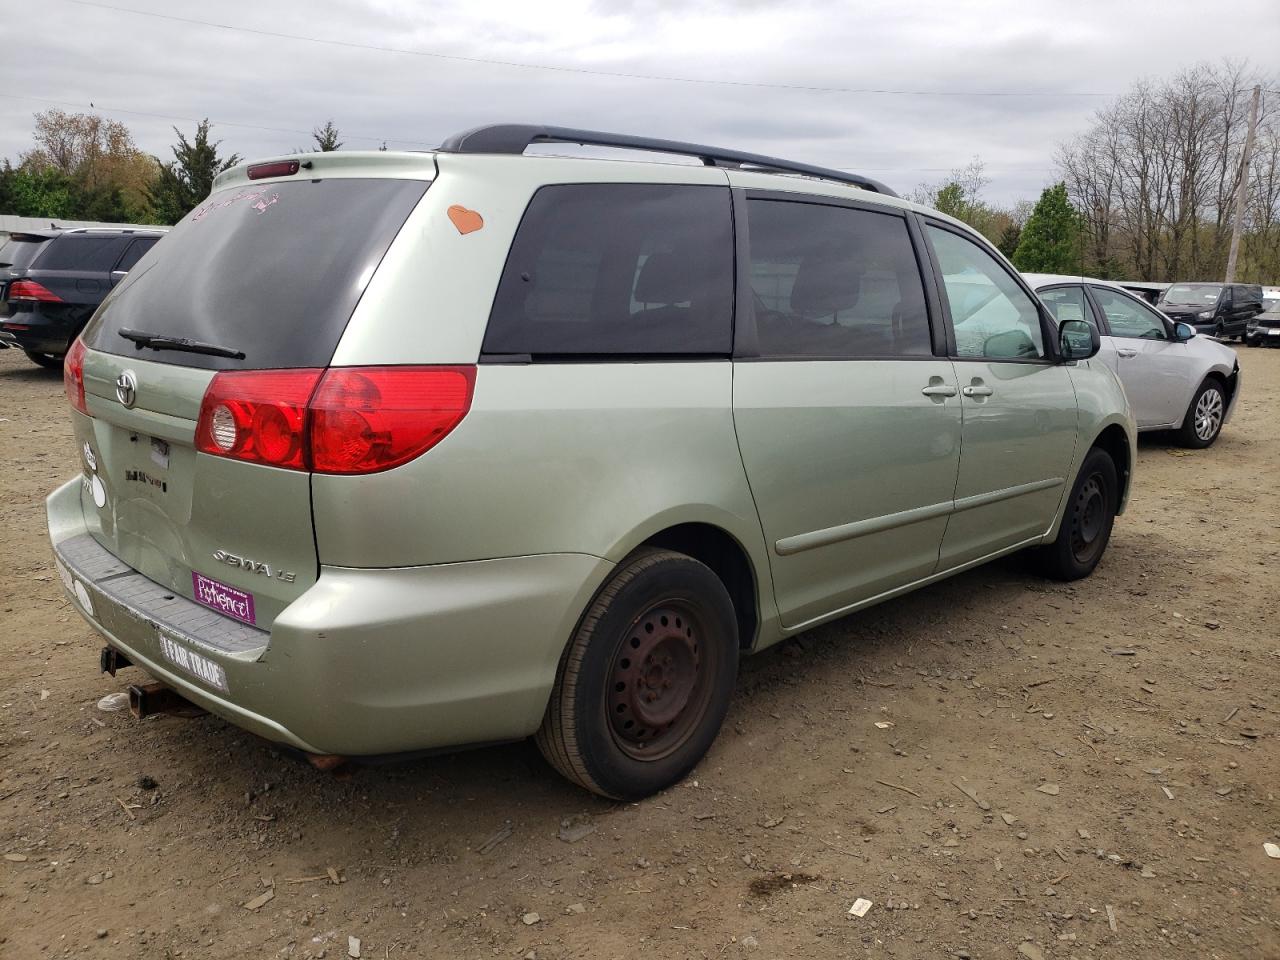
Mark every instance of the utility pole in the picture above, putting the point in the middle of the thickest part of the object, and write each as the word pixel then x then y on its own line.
pixel 1243 187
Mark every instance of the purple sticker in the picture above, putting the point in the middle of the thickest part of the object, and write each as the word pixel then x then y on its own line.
pixel 226 600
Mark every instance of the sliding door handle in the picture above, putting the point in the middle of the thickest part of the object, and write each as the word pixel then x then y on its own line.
pixel 939 390
pixel 977 390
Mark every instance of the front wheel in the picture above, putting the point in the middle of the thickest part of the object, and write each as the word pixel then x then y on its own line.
pixel 646 680
pixel 1203 420
pixel 1086 525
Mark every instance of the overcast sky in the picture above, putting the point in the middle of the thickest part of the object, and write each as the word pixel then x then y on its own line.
pixel 131 66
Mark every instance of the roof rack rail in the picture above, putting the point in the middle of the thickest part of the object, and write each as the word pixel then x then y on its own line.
pixel 515 138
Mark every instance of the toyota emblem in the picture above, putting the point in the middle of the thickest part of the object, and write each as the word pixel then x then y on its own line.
pixel 127 388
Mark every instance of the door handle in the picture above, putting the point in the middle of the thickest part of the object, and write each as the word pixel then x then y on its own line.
pixel 939 390
pixel 1126 353
pixel 977 390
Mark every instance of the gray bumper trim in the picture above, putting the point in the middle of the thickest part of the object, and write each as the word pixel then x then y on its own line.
pixel 147 600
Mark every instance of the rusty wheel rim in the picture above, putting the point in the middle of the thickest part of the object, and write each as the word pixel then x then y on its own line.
pixel 658 684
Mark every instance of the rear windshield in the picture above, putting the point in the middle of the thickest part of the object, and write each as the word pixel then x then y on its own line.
pixel 273 271
pixel 78 251
pixel 17 254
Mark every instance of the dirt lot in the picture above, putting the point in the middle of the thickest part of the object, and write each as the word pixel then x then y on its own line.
pixel 1119 736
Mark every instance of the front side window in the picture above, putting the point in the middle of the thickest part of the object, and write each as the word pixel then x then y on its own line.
pixel 992 316
pixel 1128 317
pixel 834 282
pixel 618 270
pixel 1067 303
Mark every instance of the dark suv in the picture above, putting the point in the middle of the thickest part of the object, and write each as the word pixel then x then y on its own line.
pixel 1221 310
pixel 16 254
pixel 49 302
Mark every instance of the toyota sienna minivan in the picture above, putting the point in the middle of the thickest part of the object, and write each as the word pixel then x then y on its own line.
pixel 389 452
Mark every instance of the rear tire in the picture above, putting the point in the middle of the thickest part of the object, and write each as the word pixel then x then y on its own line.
pixel 1202 423
pixel 50 361
pixel 1087 522
pixel 645 682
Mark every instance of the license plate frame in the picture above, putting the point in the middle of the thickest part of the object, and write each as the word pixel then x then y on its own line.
pixel 193 664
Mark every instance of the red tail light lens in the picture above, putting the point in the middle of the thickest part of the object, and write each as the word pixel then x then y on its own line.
pixel 366 419
pixel 277 168
pixel 73 376
pixel 345 420
pixel 257 415
pixel 30 290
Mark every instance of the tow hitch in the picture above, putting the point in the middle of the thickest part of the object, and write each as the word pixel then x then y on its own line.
pixel 111 660
pixel 153 698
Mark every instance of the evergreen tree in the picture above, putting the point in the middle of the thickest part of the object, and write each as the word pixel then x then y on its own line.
pixel 1008 240
pixel 1050 240
pixel 187 179
pixel 326 137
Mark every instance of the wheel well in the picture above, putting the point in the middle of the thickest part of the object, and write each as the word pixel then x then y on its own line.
pixel 1115 444
pixel 726 558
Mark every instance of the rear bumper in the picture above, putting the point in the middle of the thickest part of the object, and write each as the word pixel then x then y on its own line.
pixel 40 329
pixel 367 661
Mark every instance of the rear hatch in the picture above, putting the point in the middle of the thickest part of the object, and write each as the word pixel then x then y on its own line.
pixel 16 255
pixel 269 273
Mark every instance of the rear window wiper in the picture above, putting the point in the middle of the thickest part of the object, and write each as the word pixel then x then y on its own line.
pixel 158 341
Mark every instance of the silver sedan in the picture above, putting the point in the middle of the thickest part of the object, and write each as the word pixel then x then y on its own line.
pixel 1176 380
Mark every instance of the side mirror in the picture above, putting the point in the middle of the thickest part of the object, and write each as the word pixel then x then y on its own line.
pixel 1078 340
pixel 1182 332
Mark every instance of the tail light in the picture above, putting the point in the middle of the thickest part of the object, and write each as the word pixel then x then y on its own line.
pixel 73 376
pixel 30 290
pixel 344 420
pixel 257 415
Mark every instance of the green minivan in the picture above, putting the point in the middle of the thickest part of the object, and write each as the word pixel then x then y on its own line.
pixel 398 452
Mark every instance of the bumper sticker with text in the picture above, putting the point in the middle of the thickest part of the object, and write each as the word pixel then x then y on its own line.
pixel 226 600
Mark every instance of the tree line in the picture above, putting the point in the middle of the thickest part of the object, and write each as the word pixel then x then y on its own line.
pixel 85 167
pixel 1146 192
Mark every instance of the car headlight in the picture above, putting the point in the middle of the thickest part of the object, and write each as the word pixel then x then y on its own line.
pixel 1205 315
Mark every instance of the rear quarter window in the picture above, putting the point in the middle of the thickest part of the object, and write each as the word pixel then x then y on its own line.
pixel 79 252
pixel 271 270
pixel 609 270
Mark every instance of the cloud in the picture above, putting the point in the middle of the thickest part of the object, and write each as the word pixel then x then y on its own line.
pixel 124 62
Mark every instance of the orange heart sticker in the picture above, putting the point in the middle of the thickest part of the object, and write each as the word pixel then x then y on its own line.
pixel 467 221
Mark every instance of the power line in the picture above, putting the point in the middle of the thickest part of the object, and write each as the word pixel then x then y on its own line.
pixel 560 68
pixel 224 123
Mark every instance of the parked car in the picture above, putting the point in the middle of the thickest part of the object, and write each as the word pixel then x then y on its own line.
pixel 1264 329
pixel 1222 310
pixel 51 300
pixel 1175 379
pixel 1149 292
pixel 16 254
pixel 414 451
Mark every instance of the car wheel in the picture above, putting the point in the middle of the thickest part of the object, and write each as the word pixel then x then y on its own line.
pixel 1203 420
pixel 1087 522
pixel 1249 341
pixel 645 682
pixel 1217 332
pixel 50 361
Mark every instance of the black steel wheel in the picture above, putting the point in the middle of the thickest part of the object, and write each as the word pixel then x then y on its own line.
pixel 1087 521
pixel 645 682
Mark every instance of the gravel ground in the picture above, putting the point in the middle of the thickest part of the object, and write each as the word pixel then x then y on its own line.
pixel 1003 766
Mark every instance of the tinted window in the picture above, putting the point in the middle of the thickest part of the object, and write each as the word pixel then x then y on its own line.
pixel 835 282
pixel 17 254
pixel 1128 317
pixel 609 269
pixel 134 253
pixel 272 270
pixel 1067 303
pixel 993 317
pixel 77 251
